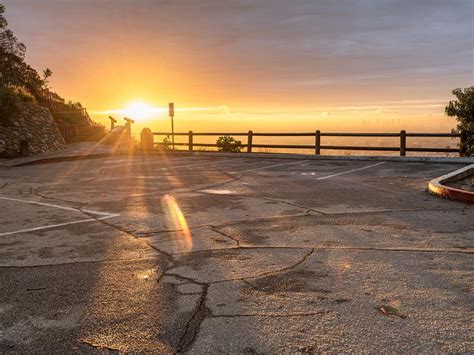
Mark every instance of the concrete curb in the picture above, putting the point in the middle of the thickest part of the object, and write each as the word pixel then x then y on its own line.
pixel 449 160
pixel 59 159
pixel 437 187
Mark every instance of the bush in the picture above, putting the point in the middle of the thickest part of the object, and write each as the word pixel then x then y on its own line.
pixel 228 144
pixel 9 99
pixel 167 144
pixel 463 110
pixel 8 104
pixel 98 132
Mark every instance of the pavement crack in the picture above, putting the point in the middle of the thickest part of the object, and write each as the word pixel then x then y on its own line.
pixel 299 262
pixel 194 323
pixel 168 256
pixel 409 250
pixel 100 347
pixel 155 232
pixel 75 204
pixel 289 315
pixel 238 248
pixel 181 277
pixel 290 204
pixel 225 235
pixel 75 263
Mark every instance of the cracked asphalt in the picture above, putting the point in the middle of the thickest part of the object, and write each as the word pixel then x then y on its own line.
pixel 242 255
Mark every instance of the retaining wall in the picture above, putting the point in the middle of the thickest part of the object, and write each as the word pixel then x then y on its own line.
pixel 31 129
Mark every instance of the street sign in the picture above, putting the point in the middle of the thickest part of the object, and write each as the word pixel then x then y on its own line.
pixel 171 112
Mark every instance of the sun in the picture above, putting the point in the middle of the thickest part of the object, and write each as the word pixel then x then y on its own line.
pixel 140 111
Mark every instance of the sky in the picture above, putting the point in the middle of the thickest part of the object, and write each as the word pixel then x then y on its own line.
pixel 266 65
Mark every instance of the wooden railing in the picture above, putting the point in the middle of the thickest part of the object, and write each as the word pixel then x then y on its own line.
pixel 318 146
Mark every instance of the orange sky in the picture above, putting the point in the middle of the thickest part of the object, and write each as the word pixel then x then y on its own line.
pixel 261 65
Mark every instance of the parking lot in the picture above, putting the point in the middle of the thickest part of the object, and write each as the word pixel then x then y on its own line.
pixel 215 254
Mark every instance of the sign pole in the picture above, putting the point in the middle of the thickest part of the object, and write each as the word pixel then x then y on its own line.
pixel 171 113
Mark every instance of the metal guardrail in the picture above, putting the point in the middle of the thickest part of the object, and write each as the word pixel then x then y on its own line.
pixel 317 147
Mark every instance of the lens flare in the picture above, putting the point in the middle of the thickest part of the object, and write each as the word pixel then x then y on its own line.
pixel 177 222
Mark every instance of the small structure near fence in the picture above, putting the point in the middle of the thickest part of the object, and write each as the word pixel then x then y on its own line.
pixel 317 147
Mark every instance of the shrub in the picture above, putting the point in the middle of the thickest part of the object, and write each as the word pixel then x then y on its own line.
pixel 8 104
pixel 167 144
pixel 463 110
pixel 228 144
pixel 98 132
pixel 9 99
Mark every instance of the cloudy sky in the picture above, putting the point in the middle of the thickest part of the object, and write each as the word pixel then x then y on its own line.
pixel 393 60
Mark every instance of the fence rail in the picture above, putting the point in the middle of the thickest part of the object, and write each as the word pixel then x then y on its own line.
pixel 317 146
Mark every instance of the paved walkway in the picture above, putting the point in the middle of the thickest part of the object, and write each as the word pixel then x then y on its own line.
pixel 71 150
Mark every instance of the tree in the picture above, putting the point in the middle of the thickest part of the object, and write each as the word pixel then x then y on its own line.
pixel 463 110
pixel 15 73
pixel 3 20
pixel 18 80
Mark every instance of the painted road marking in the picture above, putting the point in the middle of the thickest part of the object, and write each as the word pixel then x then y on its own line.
pixel 55 225
pixel 40 203
pixel 268 167
pixel 350 171
pixel 219 162
pixel 58 206
pixel 170 167
pixel 104 215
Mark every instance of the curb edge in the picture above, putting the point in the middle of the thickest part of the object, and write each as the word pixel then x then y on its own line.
pixel 436 186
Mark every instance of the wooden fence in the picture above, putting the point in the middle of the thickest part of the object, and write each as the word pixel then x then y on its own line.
pixel 317 147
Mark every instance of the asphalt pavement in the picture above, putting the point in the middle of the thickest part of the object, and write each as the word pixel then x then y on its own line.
pixel 220 254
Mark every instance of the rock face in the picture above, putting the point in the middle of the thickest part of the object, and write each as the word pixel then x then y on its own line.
pixel 30 130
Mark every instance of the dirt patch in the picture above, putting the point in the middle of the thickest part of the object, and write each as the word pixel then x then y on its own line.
pixel 464 184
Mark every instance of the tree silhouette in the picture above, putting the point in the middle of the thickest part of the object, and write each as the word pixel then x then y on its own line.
pixel 463 110
pixel 3 20
pixel 18 80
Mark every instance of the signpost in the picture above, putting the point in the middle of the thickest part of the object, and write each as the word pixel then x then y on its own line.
pixel 171 114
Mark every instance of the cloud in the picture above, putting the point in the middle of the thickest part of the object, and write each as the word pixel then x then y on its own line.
pixel 300 50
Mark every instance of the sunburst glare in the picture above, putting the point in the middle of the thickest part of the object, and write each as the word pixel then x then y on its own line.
pixel 141 111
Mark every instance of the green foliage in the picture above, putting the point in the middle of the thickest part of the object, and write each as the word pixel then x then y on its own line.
pixel 97 132
pixel 3 21
pixel 167 144
pixel 14 71
pixel 18 79
pixel 46 75
pixel 8 104
pixel 228 144
pixel 16 74
pixel 463 110
pixel 9 100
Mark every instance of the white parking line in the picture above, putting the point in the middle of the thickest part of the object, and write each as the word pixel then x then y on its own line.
pixel 55 225
pixel 40 203
pixel 104 215
pixel 57 206
pixel 170 167
pixel 268 167
pixel 350 171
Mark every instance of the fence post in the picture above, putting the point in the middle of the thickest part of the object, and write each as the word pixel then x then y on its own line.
pixel 403 143
pixel 190 141
pixel 462 143
pixel 317 146
pixel 249 142
pixel 146 139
